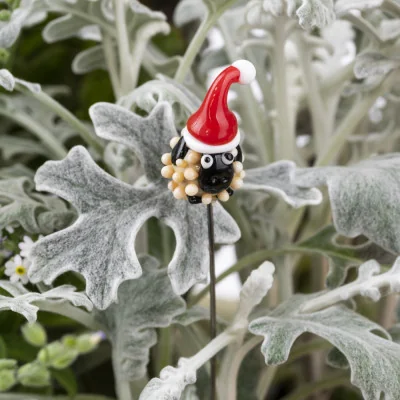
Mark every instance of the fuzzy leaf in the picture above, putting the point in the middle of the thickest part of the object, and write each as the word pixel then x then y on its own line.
pixel 390 29
pixel 344 6
pixel 144 304
pixel 23 301
pixel 171 384
pixel 255 289
pixel 89 60
pixel 9 82
pixel 374 361
pixel 372 211
pixel 372 64
pixel 100 245
pixel 10 30
pixel 316 13
pixel 342 257
pixel 35 213
pixel 188 11
pixel 12 146
pixel 277 179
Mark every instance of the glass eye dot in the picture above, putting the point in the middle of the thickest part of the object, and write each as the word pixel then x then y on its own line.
pixel 207 161
pixel 227 158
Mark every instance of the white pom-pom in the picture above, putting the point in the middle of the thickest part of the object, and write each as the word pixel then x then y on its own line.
pixel 247 71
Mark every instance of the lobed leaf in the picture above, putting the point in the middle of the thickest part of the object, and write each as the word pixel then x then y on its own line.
pixel 363 197
pixel 144 304
pixel 342 257
pixel 374 360
pixel 100 245
pixel 278 179
pixel 373 64
pixel 26 303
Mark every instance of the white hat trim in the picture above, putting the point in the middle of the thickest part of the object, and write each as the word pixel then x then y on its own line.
pixel 200 147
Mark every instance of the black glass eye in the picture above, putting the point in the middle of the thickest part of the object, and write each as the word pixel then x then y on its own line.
pixel 207 161
pixel 227 158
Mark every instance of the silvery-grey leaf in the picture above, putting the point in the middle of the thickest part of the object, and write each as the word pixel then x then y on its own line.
pixel 372 211
pixel 171 384
pixel 156 62
pixel 374 361
pixel 342 257
pixel 89 60
pixel 144 304
pixel 192 315
pixel 278 179
pixel 8 82
pixel 100 245
pixel 68 293
pixel 188 11
pixel 63 28
pixel 21 305
pixel 10 30
pixel 16 171
pixel 14 145
pixel 390 29
pixel 20 205
pixel 344 6
pixel 316 13
pixel 154 92
pixel 148 137
pixel 370 64
pixel 22 299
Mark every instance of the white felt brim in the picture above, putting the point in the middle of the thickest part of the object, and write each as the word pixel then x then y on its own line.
pixel 200 147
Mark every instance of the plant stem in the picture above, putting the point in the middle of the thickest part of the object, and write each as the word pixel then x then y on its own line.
pixel 315 100
pixel 265 381
pixel 69 311
pixel 198 40
pixel 126 74
pixel 164 348
pixel 284 135
pixel 109 55
pixel 47 138
pixel 53 105
pixel 213 299
pixel 347 291
pixel 236 363
pixel 285 277
pixel 330 382
pixel 351 121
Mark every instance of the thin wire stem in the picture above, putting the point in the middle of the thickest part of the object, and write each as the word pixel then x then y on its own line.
pixel 213 302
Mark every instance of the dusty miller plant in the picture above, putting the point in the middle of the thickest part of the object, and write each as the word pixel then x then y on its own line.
pixel 103 242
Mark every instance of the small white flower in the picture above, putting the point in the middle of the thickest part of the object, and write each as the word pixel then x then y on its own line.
pixel 26 245
pixel 17 269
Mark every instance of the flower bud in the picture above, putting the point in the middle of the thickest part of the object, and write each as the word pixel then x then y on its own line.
pixel 88 342
pixel 34 334
pixel 7 379
pixel 57 355
pixel 6 363
pixel 5 15
pixel 34 375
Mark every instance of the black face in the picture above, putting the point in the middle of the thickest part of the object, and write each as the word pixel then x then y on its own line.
pixel 216 172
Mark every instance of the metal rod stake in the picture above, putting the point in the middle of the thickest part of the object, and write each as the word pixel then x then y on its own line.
pixel 213 302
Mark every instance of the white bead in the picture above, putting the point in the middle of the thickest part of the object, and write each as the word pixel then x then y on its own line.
pixel 178 177
pixel 179 193
pixel 167 171
pixel 190 174
pixel 174 141
pixel 236 183
pixel 238 167
pixel 166 159
pixel 223 196
pixel 191 189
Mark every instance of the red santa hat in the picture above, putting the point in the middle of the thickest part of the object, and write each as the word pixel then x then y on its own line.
pixel 213 128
